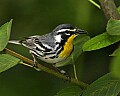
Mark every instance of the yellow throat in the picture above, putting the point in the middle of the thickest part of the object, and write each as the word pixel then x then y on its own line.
pixel 68 47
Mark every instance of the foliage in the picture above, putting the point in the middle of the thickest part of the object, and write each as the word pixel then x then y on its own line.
pixel 115 64
pixel 70 91
pixel 5 34
pixel 100 41
pixel 7 61
pixel 113 27
pixel 107 85
pixel 108 38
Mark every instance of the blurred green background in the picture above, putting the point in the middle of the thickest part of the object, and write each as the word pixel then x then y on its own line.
pixel 39 17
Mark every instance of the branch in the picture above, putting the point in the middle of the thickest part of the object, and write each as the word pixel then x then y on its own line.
pixel 46 69
pixel 109 9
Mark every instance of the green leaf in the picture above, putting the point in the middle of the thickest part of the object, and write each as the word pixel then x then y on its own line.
pixel 118 9
pixel 78 43
pixel 5 34
pixel 107 85
pixel 70 91
pixel 100 41
pixel 7 61
pixel 116 52
pixel 113 27
pixel 115 64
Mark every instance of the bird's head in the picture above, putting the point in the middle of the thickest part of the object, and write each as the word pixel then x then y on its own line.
pixel 65 31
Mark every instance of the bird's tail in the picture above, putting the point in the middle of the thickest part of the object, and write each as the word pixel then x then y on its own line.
pixel 18 42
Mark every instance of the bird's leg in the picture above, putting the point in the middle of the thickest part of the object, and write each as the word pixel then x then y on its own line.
pixel 61 71
pixel 35 61
pixel 57 69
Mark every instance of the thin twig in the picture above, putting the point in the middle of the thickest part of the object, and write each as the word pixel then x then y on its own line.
pixel 26 64
pixel 29 65
pixel 46 69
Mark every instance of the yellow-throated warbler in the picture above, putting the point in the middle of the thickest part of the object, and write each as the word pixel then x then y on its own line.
pixel 52 47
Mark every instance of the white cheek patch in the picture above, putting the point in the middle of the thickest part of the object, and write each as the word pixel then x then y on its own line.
pixel 58 38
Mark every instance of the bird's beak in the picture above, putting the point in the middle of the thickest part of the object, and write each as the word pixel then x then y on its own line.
pixel 80 31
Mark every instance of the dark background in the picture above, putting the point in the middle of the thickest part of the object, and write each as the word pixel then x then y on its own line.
pixel 31 17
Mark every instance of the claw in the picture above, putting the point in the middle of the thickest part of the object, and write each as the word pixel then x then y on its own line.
pixel 64 73
pixel 35 64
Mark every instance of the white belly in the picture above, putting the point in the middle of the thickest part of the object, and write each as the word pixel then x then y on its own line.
pixel 49 60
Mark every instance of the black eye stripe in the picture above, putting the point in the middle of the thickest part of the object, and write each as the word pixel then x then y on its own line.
pixel 67 32
pixel 64 36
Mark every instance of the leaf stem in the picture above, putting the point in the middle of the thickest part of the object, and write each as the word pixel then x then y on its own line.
pixel 94 3
pixel 46 69
pixel 74 68
pixel 75 72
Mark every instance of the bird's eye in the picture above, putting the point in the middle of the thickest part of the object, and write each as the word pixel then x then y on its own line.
pixel 67 32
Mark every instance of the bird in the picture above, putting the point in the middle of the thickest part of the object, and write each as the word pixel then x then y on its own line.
pixel 52 47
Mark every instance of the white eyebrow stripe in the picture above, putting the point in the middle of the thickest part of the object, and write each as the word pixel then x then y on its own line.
pixel 63 30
